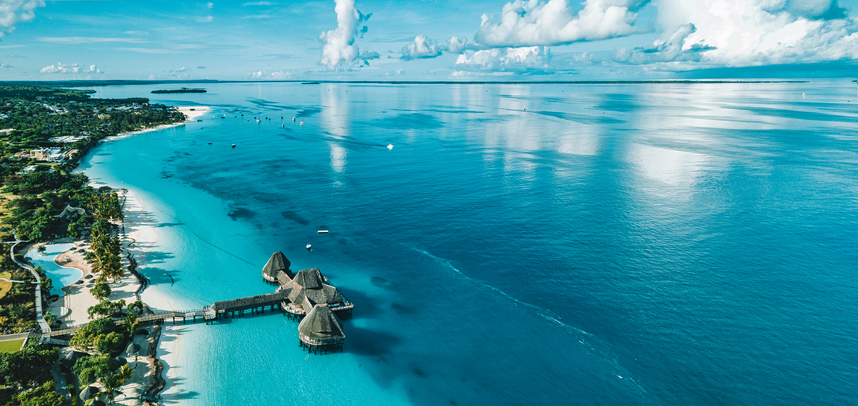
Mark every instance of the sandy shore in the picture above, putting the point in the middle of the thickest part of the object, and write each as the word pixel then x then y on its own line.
pixel 191 113
pixel 139 234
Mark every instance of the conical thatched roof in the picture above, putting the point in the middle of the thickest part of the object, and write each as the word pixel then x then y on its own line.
pixel 69 359
pixel 88 393
pixel 277 262
pixel 327 294
pixel 321 325
pixel 309 278
pixel 132 349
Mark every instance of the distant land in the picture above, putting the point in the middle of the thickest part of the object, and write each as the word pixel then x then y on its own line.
pixel 181 90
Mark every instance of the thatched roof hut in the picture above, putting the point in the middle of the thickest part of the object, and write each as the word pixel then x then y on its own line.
pixel 309 278
pixel 88 393
pixel 309 285
pixel 276 263
pixel 70 358
pixel 321 328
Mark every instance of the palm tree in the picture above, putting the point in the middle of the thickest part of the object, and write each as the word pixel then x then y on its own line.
pixel 131 323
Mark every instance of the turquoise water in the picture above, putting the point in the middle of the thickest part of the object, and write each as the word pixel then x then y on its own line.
pixel 60 276
pixel 520 244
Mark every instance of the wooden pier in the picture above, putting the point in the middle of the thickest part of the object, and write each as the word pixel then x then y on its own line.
pixel 305 296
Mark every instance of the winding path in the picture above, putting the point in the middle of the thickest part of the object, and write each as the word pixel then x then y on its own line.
pixel 43 325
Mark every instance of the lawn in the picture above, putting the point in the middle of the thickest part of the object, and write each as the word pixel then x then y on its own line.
pixel 11 346
pixel 4 285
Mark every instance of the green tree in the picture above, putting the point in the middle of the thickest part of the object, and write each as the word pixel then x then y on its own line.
pixel 25 366
pixel 101 291
pixel 106 308
pixel 44 395
pixel 135 307
pixel 88 369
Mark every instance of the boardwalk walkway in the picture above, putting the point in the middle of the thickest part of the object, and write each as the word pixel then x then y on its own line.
pixel 43 325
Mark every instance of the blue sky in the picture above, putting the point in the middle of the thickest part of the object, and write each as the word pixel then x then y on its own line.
pixel 427 40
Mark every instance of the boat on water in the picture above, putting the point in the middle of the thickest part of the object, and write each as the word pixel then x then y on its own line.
pixel 322 231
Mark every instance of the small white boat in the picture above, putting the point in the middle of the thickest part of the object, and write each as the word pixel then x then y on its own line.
pixel 301 123
pixel 323 231
pixel 390 146
pixel 309 246
pixel 293 119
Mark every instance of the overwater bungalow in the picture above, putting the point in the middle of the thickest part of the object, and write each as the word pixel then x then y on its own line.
pixel 321 330
pixel 276 263
pixel 307 289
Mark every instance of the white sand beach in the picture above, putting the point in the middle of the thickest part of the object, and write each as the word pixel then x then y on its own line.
pixel 191 113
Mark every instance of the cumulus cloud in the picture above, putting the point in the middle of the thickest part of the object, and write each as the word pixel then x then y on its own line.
pixel 73 68
pixel 338 49
pixel 537 22
pixel 182 69
pixel 675 49
pixel 761 32
pixel 5 65
pixel 278 75
pixel 520 60
pixel 421 48
pixel 14 11
pixel 456 45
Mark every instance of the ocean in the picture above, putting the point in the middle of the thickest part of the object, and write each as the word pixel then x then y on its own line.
pixel 580 244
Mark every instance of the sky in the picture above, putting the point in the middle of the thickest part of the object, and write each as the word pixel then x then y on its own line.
pixel 427 40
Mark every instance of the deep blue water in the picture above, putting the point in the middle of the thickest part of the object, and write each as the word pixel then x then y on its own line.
pixel 646 244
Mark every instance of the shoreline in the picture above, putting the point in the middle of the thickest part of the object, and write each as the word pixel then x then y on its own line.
pixel 190 116
pixel 138 232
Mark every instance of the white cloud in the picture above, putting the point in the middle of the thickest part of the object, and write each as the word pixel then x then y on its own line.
pixel 206 19
pixel 14 11
pixel 676 48
pixel 73 68
pixel 521 60
pixel 278 75
pixel 456 45
pixel 5 65
pixel 182 69
pixel 421 48
pixel 209 5
pixel 759 32
pixel 258 3
pixel 537 22
pixel 338 49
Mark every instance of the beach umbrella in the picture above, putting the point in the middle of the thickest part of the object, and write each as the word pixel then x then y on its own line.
pixel 132 349
pixel 120 361
pixel 88 393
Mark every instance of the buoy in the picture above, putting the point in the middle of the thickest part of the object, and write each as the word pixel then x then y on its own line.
pixel 302 123
pixel 390 146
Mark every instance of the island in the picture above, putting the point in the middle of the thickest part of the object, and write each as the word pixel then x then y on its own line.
pixel 180 90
